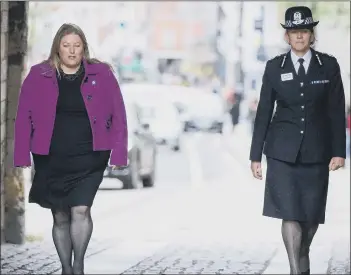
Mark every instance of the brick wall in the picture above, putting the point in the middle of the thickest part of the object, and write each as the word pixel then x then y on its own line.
pixel 4 30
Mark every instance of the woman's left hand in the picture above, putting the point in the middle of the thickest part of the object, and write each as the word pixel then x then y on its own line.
pixel 336 163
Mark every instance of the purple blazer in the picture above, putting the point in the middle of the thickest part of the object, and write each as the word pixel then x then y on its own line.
pixel 37 110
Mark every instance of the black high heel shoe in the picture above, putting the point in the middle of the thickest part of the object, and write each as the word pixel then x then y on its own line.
pixel 306 272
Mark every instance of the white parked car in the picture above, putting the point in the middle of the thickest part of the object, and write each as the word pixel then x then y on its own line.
pixel 157 110
pixel 205 113
pixel 165 124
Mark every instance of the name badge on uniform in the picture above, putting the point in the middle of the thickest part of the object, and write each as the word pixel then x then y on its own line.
pixel 285 77
pixel 320 81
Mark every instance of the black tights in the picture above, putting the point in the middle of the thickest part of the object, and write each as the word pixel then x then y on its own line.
pixel 297 239
pixel 71 233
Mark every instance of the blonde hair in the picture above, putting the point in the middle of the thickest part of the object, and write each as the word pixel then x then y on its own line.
pixel 65 29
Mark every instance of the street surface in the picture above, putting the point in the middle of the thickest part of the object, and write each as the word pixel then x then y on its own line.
pixel 202 217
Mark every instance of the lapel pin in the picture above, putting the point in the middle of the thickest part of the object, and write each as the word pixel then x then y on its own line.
pixel 93 82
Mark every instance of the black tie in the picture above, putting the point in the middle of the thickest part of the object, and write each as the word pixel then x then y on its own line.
pixel 301 71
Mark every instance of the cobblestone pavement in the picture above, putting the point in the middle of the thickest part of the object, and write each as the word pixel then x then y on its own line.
pixel 206 259
pixel 38 257
pixel 215 227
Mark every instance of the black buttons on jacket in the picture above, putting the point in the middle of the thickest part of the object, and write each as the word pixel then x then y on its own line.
pixel 108 123
pixel 89 97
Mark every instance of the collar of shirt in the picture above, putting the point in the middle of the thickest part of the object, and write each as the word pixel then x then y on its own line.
pixel 307 57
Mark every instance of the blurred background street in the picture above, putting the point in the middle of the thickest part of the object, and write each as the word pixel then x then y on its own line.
pixel 190 74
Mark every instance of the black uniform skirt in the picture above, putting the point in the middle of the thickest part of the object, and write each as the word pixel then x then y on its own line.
pixel 296 191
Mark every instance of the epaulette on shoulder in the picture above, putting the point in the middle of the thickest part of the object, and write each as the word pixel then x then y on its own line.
pixel 326 55
pixel 278 57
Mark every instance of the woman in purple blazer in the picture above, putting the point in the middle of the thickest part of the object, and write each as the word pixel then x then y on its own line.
pixel 71 117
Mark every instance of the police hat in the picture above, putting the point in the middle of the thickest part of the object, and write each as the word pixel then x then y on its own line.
pixel 299 17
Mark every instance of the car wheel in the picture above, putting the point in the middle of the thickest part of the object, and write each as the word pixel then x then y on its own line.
pixel 186 127
pixel 176 146
pixel 220 129
pixel 132 180
pixel 149 180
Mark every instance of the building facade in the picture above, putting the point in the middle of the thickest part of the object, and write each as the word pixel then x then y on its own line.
pixel 13 51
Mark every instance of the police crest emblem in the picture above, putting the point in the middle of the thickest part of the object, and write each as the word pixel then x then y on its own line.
pixel 297 18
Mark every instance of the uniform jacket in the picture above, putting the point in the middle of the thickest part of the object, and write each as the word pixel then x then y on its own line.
pixel 309 119
pixel 37 110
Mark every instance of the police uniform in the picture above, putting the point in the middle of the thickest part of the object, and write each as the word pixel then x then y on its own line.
pixel 305 132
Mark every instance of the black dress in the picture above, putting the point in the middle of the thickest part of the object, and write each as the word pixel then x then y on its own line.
pixel 72 172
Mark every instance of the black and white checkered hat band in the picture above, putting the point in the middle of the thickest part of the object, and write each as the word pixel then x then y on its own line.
pixel 307 21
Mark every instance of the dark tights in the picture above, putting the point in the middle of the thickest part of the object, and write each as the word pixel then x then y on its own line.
pixel 71 233
pixel 297 239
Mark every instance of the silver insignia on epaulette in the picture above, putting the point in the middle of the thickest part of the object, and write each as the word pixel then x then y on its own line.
pixel 319 60
pixel 283 62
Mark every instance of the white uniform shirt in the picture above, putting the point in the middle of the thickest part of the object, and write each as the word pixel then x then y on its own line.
pixel 307 57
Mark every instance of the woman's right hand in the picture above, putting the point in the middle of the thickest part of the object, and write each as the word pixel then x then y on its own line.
pixel 256 169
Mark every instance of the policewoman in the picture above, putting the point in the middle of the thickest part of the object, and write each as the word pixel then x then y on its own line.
pixel 303 140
